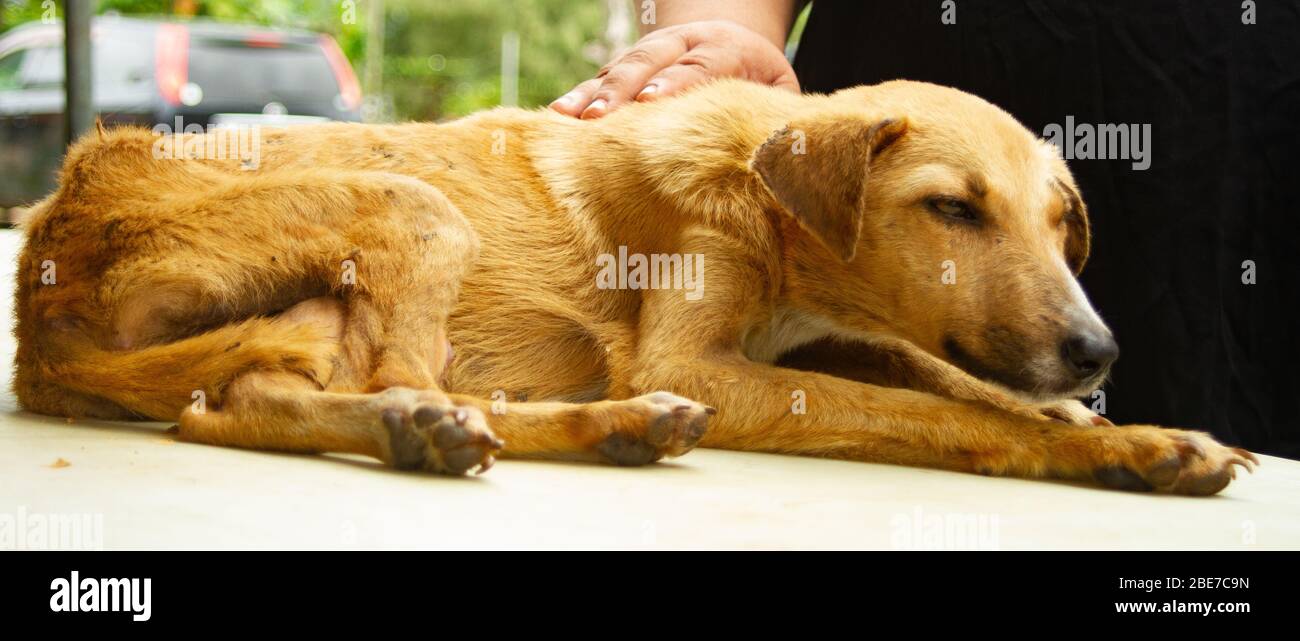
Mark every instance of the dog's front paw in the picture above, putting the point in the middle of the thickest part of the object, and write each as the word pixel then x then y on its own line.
pixel 426 431
pixel 1072 412
pixel 1142 458
pixel 650 427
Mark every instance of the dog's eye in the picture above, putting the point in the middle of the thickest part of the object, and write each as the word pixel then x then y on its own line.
pixel 953 208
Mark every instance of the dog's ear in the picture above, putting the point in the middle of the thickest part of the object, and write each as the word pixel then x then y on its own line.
pixel 1078 236
pixel 817 171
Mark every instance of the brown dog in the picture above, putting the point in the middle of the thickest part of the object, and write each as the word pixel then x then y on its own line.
pixel 908 249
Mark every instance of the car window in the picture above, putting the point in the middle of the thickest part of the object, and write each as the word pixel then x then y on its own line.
pixel 122 65
pixel 9 64
pixel 117 61
pixel 42 68
pixel 291 72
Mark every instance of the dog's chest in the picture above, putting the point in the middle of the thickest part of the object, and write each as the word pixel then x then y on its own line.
pixel 784 331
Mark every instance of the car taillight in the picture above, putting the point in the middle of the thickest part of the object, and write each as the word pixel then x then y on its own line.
pixel 349 88
pixel 264 41
pixel 172 61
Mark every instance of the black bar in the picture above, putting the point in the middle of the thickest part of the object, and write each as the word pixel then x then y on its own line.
pixel 980 592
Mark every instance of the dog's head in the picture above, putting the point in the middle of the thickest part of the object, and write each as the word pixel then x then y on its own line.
pixel 928 214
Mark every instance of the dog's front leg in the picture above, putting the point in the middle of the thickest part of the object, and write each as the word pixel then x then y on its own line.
pixel 893 362
pixel 693 348
pixel 771 409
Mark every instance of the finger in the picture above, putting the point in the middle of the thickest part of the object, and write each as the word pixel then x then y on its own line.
pixel 627 76
pixel 673 80
pixel 786 80
pixel 577 99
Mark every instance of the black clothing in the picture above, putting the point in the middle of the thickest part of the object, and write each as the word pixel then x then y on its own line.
pixel 1199 348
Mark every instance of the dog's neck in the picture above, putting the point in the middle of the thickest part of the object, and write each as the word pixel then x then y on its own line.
pixel 688 161
pixel 690 154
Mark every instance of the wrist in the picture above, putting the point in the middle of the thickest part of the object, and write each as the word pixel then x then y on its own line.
pixel 771 20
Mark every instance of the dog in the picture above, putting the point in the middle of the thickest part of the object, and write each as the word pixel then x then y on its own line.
pixel 890 270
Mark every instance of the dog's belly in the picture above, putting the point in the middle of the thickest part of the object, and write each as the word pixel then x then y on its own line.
pixel 538 360
pixel 530 323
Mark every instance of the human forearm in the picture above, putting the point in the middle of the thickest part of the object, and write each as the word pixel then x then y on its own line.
pixel 768 18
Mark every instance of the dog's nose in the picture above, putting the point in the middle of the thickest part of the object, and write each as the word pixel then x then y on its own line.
pixel 1089 352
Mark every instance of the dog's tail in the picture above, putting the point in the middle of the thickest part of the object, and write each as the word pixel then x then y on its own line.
pixel 160 381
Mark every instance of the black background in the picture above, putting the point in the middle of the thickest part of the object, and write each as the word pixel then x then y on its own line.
pixel 1198 348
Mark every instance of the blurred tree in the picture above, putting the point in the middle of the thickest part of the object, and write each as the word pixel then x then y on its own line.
pixel 441 59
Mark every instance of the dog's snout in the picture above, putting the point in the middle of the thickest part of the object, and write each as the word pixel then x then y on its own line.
pixel 1088 352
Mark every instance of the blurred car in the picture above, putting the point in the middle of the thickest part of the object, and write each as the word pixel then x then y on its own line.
pixel 150 72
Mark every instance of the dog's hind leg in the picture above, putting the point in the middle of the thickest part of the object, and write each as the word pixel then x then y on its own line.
pixel 279 410
pixel 634 431
pixel 392 248
pixel 407 248
pixel 408 429
pixel 427 429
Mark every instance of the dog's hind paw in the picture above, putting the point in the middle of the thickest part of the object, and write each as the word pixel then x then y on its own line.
pixel 427 431
pixel 653 426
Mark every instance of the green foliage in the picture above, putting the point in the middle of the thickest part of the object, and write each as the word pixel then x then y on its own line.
pixel 442 58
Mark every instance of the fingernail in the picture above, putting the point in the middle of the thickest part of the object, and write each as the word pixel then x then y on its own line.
pixel 563 101
pixel 649 91
pixel 595 109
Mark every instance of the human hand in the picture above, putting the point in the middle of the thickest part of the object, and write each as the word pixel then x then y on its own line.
pixel 669 60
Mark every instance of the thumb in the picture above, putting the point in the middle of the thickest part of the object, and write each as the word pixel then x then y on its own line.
pixel 787 81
